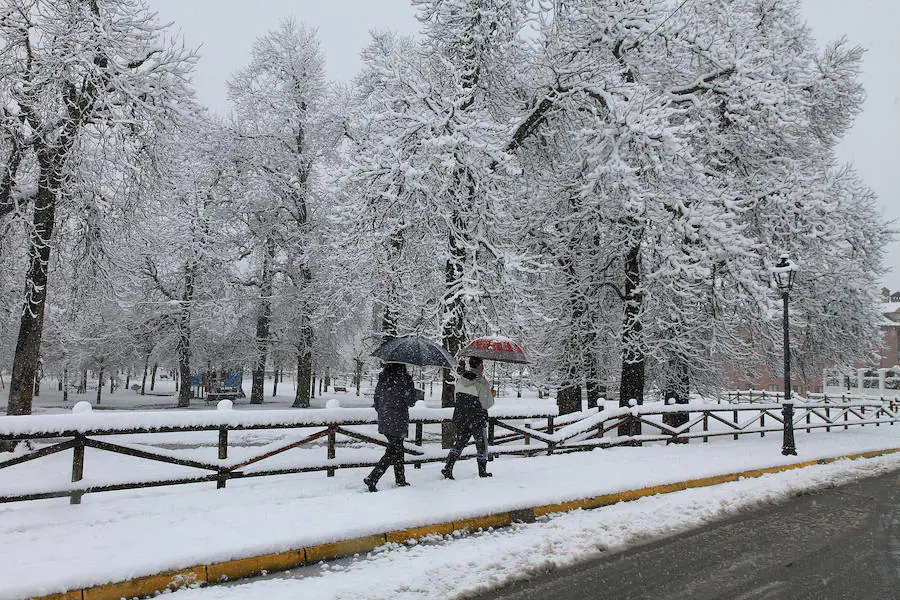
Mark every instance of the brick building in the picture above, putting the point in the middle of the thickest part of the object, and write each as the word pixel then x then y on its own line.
pixel 881 380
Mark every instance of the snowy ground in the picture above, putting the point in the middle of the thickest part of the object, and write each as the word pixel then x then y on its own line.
pixel 459 565
pixel 115 536
pixel 164 396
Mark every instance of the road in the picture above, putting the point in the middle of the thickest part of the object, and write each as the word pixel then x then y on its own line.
pixel 829 545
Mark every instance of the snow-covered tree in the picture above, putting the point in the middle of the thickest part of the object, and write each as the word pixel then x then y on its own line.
pixel 283 134
pixel 76 74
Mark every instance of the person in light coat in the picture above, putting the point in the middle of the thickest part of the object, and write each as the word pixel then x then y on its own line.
pixel 473 399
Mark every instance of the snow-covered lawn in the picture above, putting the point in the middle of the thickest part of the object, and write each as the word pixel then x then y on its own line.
pixel 118 535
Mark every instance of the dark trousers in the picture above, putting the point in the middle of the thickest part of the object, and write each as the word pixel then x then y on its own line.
pixel 462 438
pixel 393 455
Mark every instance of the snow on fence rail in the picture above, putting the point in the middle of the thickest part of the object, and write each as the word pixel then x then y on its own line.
pixel 525 431
pixel 80 430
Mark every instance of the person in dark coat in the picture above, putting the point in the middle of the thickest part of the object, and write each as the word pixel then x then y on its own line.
pixel 473 399
pixel 394 394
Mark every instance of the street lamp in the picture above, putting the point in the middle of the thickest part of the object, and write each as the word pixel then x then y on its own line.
pixel 783 273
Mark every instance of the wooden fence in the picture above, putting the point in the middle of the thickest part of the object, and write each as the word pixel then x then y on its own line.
pixel 742 396
pixel 511 431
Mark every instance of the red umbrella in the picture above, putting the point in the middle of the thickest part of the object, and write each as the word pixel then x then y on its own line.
pixel 495 347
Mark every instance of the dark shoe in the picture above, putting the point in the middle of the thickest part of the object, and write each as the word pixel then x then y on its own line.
pixel 482 469
pixel 370 484
pixel 447 471
pixel 400 475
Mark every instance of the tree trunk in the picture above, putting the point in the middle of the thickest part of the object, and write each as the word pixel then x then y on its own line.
pixel 144 378
pixel 312 389
pixel 82 388
pixel 357 374
pixel 263 318
pixel 37 382
pixel 275 383
pixel 153 376
pixel 65 387
pixel 184 338
pixel 112 383
pixel 453 334
pixel 327 379
pixel 568 399
pixel 31 323
pixel 99 386
pixel 304 377
pixel 128 379
pixel 595 390
pixel 677 387
pixel 631 386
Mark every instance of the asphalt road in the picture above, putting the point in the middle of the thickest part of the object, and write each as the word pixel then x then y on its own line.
pixel 831 544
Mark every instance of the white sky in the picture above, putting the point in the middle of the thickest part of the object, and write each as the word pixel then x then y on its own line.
pixel 225 30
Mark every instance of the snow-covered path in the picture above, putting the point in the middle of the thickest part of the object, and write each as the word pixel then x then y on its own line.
pixel 457 567
pixel 116 536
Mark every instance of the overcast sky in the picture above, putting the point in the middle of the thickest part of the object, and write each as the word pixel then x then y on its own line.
pixel 225 30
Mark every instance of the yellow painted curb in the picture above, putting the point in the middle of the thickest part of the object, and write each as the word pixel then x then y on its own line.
pixel 414 533
pixel 75 595
pixel 146 586
pixel 495 520
pixel 343 548
pixel 254 565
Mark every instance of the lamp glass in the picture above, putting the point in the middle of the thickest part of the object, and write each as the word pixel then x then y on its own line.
pixel 784 274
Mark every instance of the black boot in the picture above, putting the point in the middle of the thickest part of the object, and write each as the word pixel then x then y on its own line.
pixel 400 475
pixel 447 471
pixel 372 480
pixel 482 469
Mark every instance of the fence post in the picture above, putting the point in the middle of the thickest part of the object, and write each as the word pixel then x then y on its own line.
pixel 419 428
pixel 736 423
pixel 846 417
pixel 705 425
pixel 808 420
pixel 550 429
pixel 827 416
pixel 77 466
pixel 762 422
pixel 862 411
pixel 331 454
pixel 223 454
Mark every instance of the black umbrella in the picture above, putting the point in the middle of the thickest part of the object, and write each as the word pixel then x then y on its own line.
pixel 414 350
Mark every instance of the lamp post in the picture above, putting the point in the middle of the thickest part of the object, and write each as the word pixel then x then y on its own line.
pixel 783 273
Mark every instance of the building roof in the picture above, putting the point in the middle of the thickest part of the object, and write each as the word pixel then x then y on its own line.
pixel 889 308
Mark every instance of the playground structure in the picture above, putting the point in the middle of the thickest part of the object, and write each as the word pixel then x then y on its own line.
pixel 212 386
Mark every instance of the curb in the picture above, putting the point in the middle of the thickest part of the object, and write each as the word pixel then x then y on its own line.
pixel 211 574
